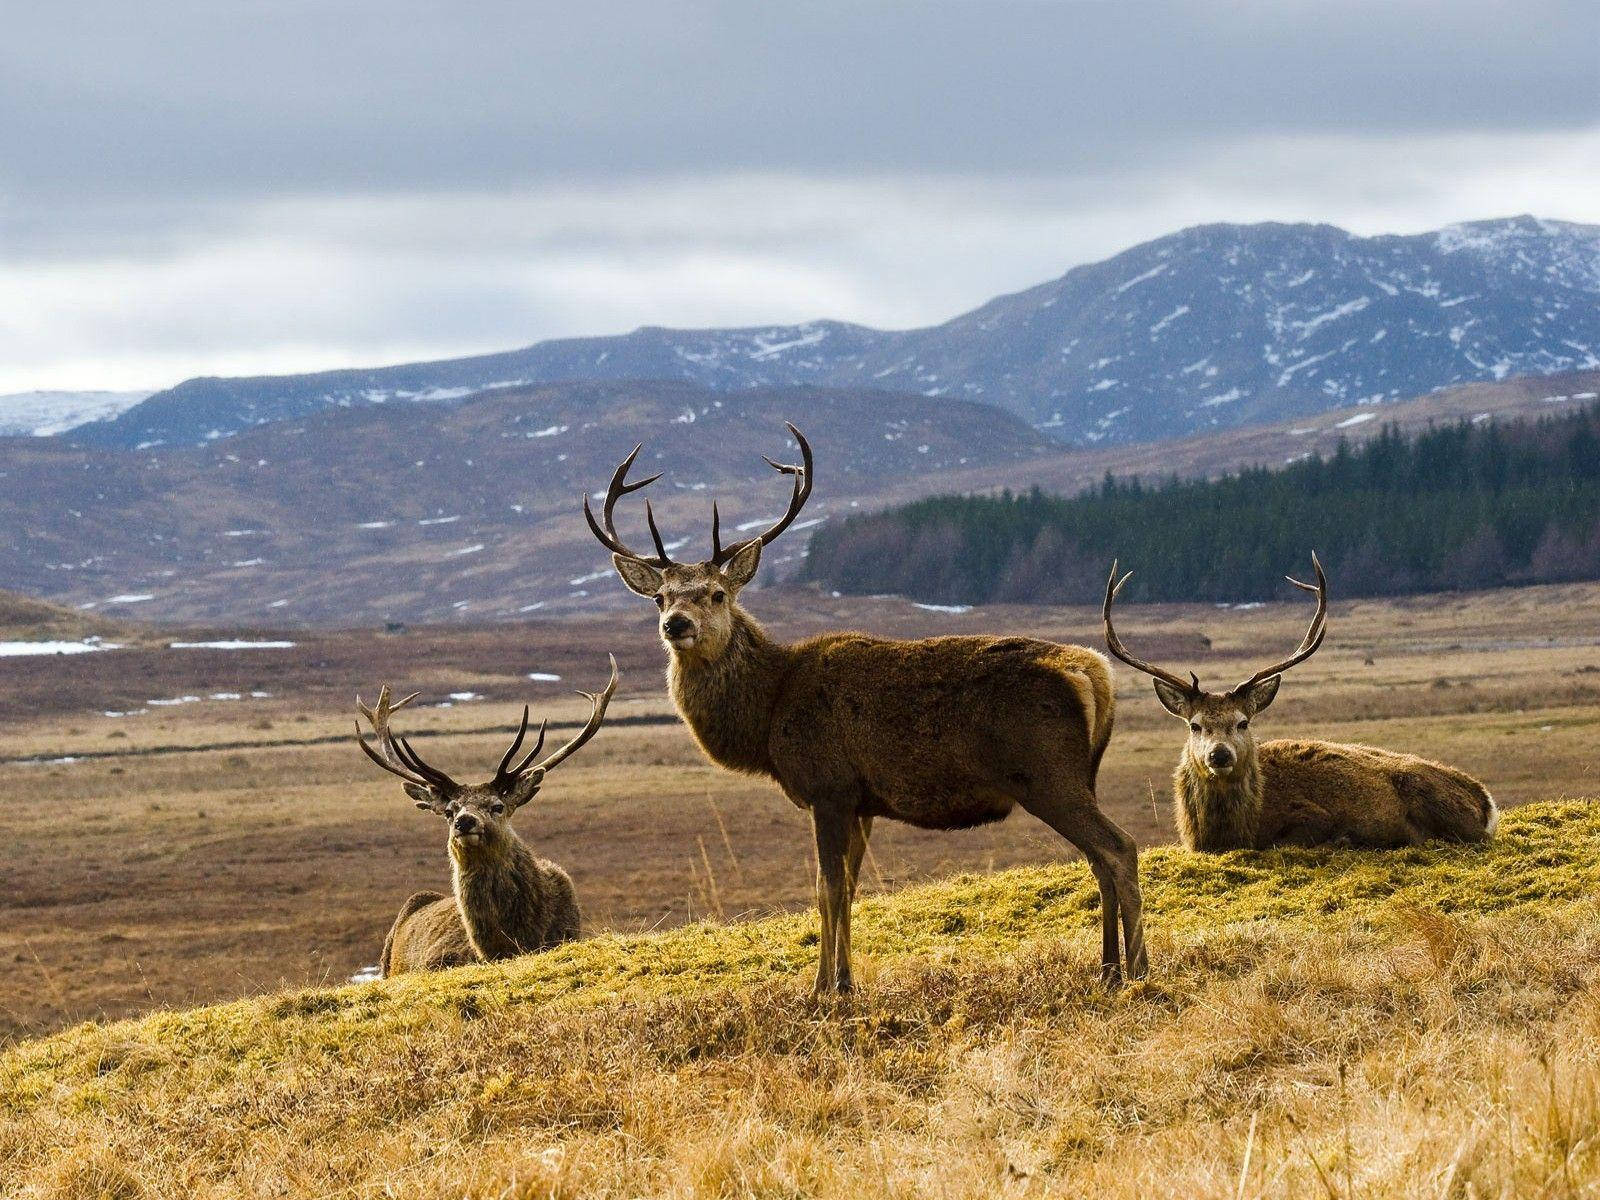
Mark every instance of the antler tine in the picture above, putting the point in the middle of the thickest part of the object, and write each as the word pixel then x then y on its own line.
pixel 516 743
pixel 797 500
pixel 1114 643
pixel 615 490
pixel 716 534
pixel 527 758
pixel 655 534
pixel 1315 632
pixel 392 768
pixel 410 758
pixel 597 716
pixel 378 715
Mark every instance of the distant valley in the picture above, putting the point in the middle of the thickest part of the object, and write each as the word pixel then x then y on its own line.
pixel 467 510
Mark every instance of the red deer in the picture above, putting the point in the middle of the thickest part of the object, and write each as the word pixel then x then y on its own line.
pixel 505 900
pixel 943 733
pixel 1232 793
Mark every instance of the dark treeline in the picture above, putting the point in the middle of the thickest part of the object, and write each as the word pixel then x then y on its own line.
pixel 1465 506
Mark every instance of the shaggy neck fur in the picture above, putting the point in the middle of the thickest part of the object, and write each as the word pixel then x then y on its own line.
pixel 727 700
pixel 498 893
pixel 1218 813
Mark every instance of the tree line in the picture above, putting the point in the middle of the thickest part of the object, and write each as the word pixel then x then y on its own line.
pixel 1468 505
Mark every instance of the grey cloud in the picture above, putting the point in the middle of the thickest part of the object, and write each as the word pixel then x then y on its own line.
pixel 193 98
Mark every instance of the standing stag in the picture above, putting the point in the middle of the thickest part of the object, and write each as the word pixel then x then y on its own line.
pixel 506 901
pixel 943 733
pixel 1231 793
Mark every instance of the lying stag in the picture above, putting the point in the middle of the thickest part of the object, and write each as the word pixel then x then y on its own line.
pixel 943 733
pixel 506 900
pixel 1232 793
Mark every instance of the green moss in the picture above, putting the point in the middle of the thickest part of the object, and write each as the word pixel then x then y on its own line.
pixel 1547 854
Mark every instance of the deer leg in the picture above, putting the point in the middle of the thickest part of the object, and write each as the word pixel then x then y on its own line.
pixel 833 835
pixel 855 849
pixel 1114 858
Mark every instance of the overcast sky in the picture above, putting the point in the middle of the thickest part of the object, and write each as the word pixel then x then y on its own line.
pixel 192 187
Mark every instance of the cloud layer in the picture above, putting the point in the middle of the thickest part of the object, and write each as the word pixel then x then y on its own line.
pixel 194 188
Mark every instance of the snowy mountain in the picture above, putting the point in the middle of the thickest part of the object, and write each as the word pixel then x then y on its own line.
pixel 40 414
pixel 1218 326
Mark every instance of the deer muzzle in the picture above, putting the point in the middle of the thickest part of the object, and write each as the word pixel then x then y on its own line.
pixel 679 630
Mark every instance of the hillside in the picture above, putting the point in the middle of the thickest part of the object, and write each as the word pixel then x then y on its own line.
pixel 22 618
pixel 343 519
pixel 1317 1023
pixel 1214 327
pixel 1475 504
pixel 459 510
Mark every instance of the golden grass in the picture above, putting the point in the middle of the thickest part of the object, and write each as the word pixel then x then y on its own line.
pixel 1318 1023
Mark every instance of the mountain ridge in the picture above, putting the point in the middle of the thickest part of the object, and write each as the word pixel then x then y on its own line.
pixel 1212 327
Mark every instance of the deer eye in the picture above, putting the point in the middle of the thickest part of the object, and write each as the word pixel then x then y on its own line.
pixel 661 601
pixel 1194 726
pixel 1244 723
pixel 718 597
pixel 497 808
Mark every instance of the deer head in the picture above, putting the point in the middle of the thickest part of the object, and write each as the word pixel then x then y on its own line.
pixel 696 599
pixel 1221 736
pixel 479 814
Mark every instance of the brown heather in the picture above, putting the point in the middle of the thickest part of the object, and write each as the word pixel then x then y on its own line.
pixel 941 733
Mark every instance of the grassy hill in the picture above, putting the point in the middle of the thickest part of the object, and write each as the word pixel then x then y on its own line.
pixel 22 618
pixel 1420 1023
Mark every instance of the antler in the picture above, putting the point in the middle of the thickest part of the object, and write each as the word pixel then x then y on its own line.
pixel 1114 643
pixel 615 490
pixel 597 716
pixel 398 757
pixel 1317 630
pixel 797 501
pixel 606 528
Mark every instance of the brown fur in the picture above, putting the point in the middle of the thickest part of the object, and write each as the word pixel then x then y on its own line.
pixel 504 900
pixel 1231 794
pixel 943 733
pixel 1308 793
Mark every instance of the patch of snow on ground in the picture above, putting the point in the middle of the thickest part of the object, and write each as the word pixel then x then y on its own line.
pixel 439 520
pixel 130 598
pixel 370 973
pixel 375 525
pixel 943 608
pixel 28 649
pixel 230 644
pixel 465 697
pixel 473 549
pixel 543 677
pixel 1358 419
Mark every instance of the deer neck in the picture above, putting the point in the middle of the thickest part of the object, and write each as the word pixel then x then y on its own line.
pixel 1218 813
pixel 492 887
pixel 727 700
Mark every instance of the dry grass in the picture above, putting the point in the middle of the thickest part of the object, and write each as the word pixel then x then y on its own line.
pixel 1329 1025
pixel 170 879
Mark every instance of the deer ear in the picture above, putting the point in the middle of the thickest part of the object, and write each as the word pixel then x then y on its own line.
pixel 1258 695
pixel 640 577
pixel 741 568
pixel 1174 700
pixel 524 789
pixel 426 798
